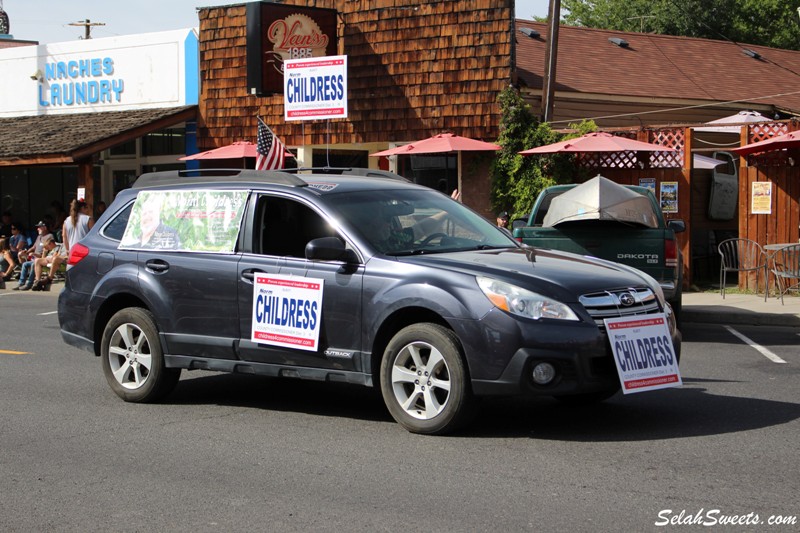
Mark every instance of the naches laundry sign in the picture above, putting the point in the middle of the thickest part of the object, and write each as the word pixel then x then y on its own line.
pixel 80 82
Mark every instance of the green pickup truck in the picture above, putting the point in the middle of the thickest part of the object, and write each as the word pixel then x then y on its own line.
pixel 619 223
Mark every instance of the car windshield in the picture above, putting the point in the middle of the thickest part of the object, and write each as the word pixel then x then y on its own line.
pixel 407 222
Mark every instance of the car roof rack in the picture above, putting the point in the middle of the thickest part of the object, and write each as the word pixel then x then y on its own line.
pixel 217 175
pixel 351 171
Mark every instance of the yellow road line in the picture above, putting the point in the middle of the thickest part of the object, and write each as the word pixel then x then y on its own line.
pixel 12 352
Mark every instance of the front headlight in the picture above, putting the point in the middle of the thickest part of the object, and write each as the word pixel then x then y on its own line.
pixel 523 302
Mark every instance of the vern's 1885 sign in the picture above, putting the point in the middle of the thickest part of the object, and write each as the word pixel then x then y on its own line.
pixel 276 33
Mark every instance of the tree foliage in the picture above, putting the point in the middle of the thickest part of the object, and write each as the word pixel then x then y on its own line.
pixel 517 179
pixel 772 23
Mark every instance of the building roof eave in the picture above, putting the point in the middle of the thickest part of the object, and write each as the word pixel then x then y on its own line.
pixel 66 139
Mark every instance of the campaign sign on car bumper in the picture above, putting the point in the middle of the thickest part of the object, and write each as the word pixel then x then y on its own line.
pixel 643 353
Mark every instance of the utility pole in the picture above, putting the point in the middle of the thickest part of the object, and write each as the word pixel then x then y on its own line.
pixel 550 60
pixel 87 24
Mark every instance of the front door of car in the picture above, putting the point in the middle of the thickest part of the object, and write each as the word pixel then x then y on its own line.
pixel 281 227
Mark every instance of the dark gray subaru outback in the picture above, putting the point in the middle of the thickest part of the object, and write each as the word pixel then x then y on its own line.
pixel 362 278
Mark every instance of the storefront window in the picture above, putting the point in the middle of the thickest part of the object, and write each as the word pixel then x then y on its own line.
pixel 162 168
pixel 123 179
pixel 14 190
pixel 438 172
pixel 336 159
pixel 170 141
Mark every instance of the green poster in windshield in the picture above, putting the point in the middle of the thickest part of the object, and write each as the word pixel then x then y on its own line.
pixel 195 221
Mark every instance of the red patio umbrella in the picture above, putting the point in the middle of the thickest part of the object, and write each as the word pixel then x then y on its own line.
pixel 236 150
pixel 438 144
pixel 597 142
pixel 779 142
pixel 442 144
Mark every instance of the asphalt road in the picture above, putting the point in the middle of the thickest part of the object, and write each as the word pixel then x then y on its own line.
pixel 241 453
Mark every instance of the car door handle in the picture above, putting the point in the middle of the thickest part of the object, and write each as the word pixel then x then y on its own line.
pixel 157 265
pixel 250 273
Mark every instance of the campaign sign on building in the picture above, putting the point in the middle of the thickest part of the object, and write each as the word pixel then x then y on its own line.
pixel 643 353
pixel 287 311
pixel 315 88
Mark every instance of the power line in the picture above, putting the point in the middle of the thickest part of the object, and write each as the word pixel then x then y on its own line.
pixel 667 110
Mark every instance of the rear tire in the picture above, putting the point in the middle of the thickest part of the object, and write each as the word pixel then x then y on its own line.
pixel 133 360
pixel 424 380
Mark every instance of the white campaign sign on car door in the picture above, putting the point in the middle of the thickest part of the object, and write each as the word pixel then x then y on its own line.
pixel 287 311
pixel 643 353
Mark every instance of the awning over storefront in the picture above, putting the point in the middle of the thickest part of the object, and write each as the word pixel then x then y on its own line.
pixel 70 138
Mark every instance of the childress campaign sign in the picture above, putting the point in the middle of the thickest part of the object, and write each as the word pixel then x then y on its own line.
pixel 195 221
pixel 643 353
pixel 287 311
pixel 315 88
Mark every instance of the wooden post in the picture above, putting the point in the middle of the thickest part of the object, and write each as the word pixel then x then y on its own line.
pixel 86 180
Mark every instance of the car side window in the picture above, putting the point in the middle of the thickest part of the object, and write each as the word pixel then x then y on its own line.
pixel 115 228
pixel 285 226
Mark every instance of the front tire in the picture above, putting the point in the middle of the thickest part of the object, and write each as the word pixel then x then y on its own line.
pixel 133 360
pixel 424 380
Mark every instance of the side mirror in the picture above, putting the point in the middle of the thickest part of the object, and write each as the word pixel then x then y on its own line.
pixel 677 225
pixel 328 249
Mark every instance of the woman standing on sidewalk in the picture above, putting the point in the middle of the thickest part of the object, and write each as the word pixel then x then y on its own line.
pixel 77 225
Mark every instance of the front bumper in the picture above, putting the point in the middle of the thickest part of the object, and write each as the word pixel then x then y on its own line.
pixel 502 359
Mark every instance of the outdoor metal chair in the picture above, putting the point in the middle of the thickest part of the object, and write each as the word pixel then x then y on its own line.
pixel 786 269
pixel 742 255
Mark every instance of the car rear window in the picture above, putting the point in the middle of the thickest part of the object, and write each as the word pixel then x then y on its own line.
pixel 115 228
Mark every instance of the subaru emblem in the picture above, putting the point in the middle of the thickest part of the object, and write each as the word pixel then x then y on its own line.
pixel 627 299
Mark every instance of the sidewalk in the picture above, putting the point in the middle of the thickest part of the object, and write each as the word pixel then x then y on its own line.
pixel 711 308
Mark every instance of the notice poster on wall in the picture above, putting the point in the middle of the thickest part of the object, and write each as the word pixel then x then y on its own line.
pixel 669 196
pixel 761 198
pixel 649 184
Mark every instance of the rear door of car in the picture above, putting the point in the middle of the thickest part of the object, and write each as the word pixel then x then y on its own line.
pixel 190 290
pixel 279 229
pixel 196 301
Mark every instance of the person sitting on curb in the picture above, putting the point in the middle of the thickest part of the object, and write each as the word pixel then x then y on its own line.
pixel 18 241
pixel 7 262
pixel 30 255
pixel 35 251
pixel 56 255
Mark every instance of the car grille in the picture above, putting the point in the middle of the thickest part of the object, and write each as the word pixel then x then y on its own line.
pixel 620 302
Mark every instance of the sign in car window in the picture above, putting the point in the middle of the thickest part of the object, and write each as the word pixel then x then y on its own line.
pixel 643 353
pixel 195 221
pixel 287 311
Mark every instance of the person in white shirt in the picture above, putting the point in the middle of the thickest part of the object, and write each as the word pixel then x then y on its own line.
pixel 77 224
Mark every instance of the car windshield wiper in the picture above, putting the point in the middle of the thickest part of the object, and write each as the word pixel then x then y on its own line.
pixel 490 247
pixel 416 251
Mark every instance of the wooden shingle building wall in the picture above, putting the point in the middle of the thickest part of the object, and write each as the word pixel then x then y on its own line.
pixel 415 69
